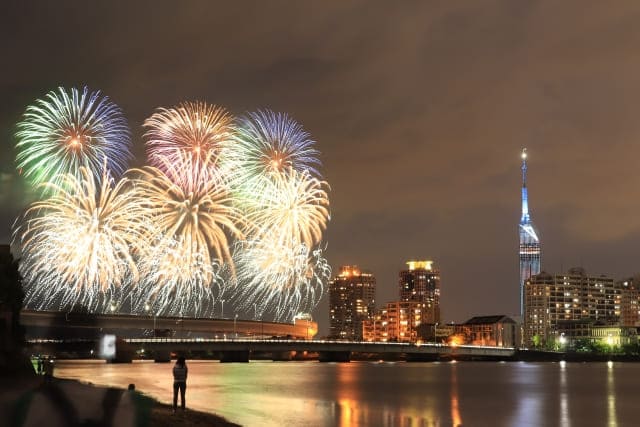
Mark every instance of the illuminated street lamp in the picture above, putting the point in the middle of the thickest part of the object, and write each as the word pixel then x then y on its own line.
pixel 147 307
pixel 222 309
pixel 234 325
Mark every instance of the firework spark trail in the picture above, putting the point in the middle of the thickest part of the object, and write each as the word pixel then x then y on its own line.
pixel 280 280
pixel 176 282
pixel 195 220
pixel 276 269
pixel 294 207
pixel 194 130
pixel 68 130
pixel 275 181
pixel 79 244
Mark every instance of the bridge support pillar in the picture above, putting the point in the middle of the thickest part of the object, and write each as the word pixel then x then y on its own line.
pixel 282 356
pixel 162 356
pixel 334 356
pixel 241 356
pixel 421 357
pixel 123 352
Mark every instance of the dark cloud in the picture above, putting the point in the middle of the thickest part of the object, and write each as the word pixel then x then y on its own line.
pixel 419 108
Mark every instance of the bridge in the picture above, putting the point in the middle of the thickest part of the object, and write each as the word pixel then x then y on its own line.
pixel 229 340
pixel 42 322
pixel 244 349
pixel 240 350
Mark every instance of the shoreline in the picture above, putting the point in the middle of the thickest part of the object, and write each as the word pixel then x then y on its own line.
pixel 25 401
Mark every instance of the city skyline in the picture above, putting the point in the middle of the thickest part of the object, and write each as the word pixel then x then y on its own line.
pixel 419 114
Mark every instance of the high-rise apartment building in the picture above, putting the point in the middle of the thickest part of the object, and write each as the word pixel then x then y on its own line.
pixel 630 302
pixel 530 251
pixel 397 321
pixel 351 301
pixel 421 283
pixel 553 300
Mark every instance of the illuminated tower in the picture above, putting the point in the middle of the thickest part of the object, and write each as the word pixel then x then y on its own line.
pixel 351 301
pixel 421 283
pixel 529 241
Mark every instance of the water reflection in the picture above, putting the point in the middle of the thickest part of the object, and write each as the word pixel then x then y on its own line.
pixel 529 404
pixel 612 419
pixel 455 411
pixel 565 419
pixel 383 403
pixel 390 394
pixel 348 412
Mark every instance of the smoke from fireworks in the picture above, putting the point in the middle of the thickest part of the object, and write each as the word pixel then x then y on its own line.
pixel 79 244
pixel 69 130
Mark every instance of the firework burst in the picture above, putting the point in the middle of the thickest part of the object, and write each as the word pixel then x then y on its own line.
pixel 69 130
pixel 193 131
pixel 79 244
pixel 281 280
pixel 195 221
pixel 267 145
pixel 294 207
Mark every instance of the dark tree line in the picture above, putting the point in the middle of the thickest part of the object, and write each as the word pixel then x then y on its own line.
pixel 11 293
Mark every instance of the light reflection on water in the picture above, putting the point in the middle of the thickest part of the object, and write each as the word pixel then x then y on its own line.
pixel 611 397
pixel 390 394
pixel 565 419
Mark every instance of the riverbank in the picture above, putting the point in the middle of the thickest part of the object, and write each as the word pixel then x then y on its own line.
pixel 30 401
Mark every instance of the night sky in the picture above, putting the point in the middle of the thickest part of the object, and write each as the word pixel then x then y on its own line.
pixel 420 110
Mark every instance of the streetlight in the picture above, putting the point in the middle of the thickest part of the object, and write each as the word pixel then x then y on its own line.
pixel 255 311
pixel 222 309
pixel 435 332
pixel 147 307
pixel 234 325
pixel 563 339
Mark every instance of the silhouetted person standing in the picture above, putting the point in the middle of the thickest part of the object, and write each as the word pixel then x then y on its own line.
pixel 48 370
pixel 179 382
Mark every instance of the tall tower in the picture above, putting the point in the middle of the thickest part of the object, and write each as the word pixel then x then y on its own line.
pixel 421 283
pixel 529 241
pixel 351 301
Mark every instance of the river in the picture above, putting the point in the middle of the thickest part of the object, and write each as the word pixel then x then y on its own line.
pixel 390 394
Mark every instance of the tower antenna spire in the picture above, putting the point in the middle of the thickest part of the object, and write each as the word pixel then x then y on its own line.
pixel 524 167
pixel 525 197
